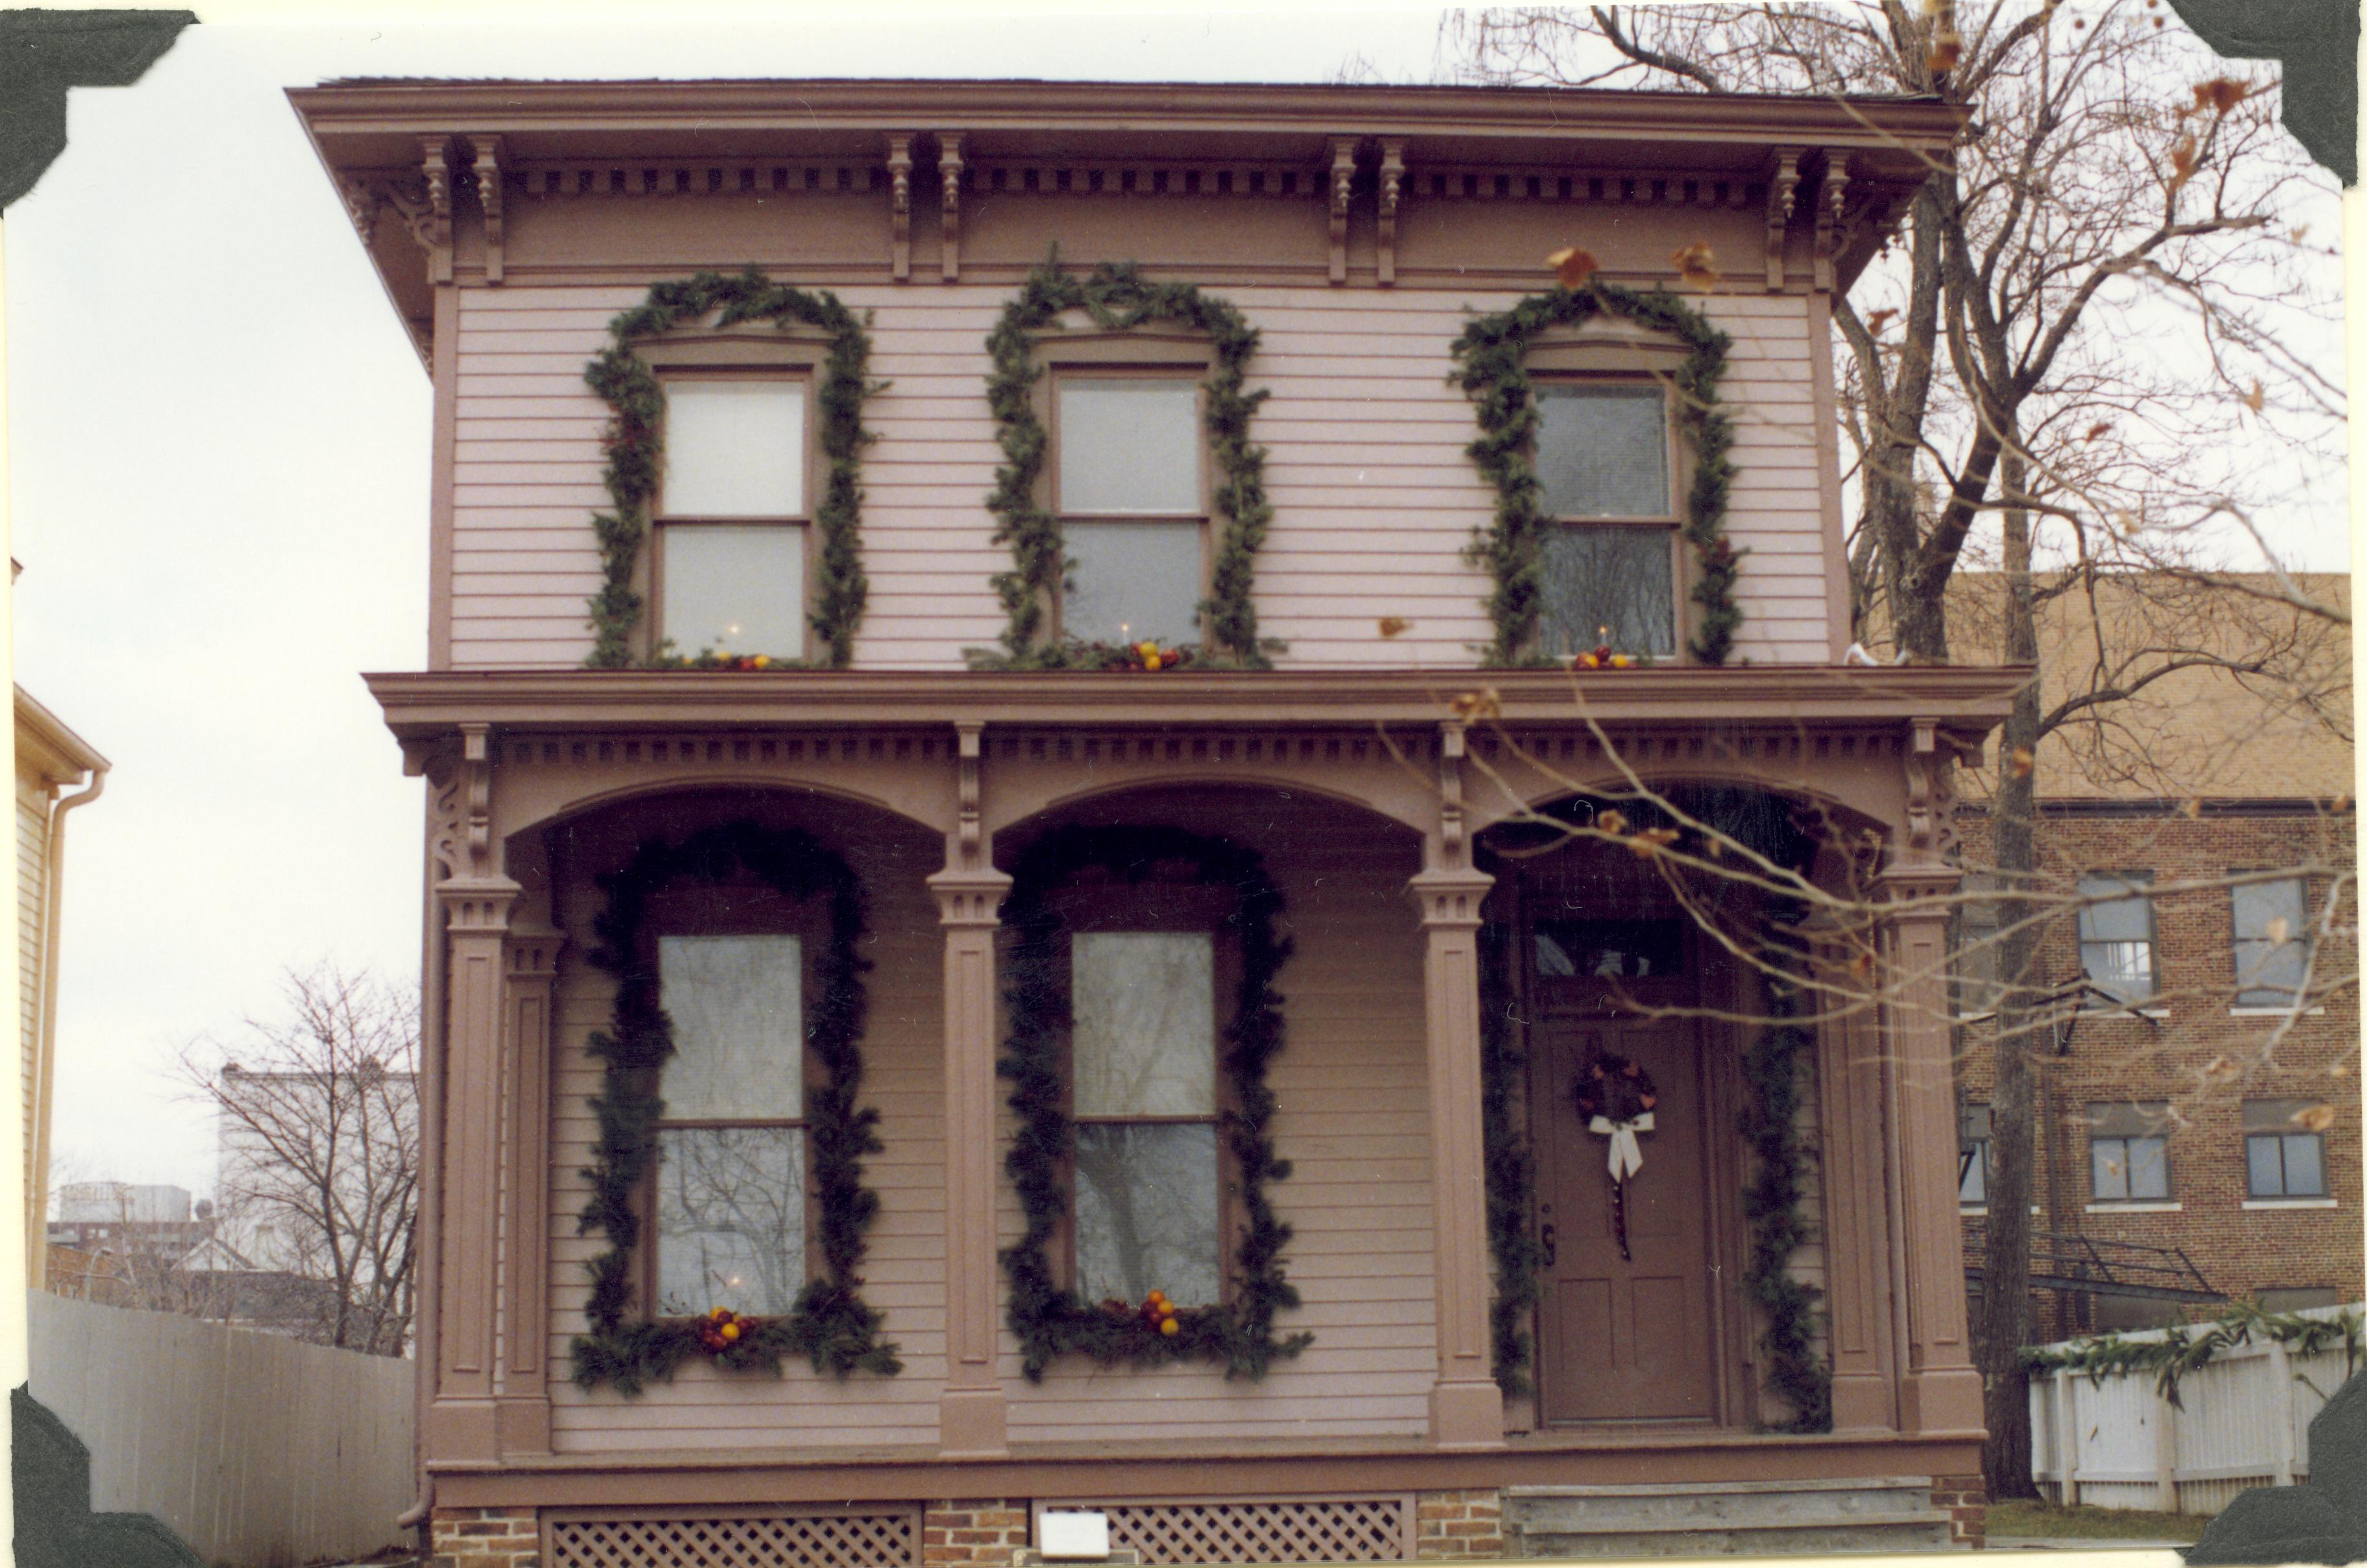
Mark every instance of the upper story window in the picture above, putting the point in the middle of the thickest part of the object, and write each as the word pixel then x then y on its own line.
pixel 2116 934
pixel 2128 1152
pixel 2282 1157
pixel 2272 942
pixel 1605 462
pixel 1979 962
pixel 1130 491
pixel 1973 1157
pixel 732 510
pixel 730 1212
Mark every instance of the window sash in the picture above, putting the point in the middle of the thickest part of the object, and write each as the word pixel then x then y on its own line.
pixel 730 1228
pixel 737 1005
pixel 1128 446
pixel 2116 934
pixel 1609 583
pixel 2129 1170
pixel 733 588
pixel 1973 1188
pixel 1603 450
pixel 1170 1169
pixel 2269 968
pixel 2285 1164
pixel 735 448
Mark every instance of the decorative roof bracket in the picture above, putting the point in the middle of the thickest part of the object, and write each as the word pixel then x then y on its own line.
pixel 1392 187
pixel 1343 183
pixel 1832 196
pixel 899 206
pixel 488 171
pixel 949 173
pixel 1782 186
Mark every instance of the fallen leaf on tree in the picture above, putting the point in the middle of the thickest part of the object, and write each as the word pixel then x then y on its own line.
pixel 2219 1070
pixel 1879 319
pixel 1693 265
pixel 2182 159
pixel 2314 1117
pixel 2253 399
pixel 1947 49
pixel 1613 822
pixel 2280 929
pixel 2221 94
pixel 1395 625
pixel 2022 761
pixel 1573 266
pixel 2100 428
pixel 1481 703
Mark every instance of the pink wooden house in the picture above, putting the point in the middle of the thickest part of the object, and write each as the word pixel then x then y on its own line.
pixel 1038 899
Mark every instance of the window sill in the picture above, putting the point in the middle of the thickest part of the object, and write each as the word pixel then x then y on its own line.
pixel 2289 1203
pixel 2275 1012
pixel 2140 1207
pixel 1982 1208
pixel 2124 1012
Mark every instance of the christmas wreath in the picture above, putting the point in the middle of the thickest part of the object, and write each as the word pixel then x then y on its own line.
pixel 1614 1099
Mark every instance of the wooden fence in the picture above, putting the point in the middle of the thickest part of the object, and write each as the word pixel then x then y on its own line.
pixel 2118 1443
pixel 259 1451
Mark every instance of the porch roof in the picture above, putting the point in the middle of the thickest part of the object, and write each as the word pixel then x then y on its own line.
pixel 1964 702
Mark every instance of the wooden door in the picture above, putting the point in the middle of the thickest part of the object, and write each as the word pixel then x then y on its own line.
pixel 1622 1339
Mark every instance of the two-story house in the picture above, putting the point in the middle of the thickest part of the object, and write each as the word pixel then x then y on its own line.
pixel 1038 901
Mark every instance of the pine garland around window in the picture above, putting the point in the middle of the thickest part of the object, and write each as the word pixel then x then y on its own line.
pixel 1117 297
pixel 1049 1320
pixel 1774 1204
pixel 1491 355
pixel 635 444
pixel 829 1323
pixel 1511 1170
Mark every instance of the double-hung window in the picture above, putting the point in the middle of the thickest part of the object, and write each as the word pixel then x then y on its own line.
pixel 733 513
pixel 1605 464
pixel 1973 1157
pixel 730 1209
pixel 1144 1098
pixel 2272 942
pixel 1130 491
pixel 2116 934
pixel 2282 1157
pixel 2128 1152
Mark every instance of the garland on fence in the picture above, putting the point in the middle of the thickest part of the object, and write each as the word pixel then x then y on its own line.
pixel 829 1323
pixel 1773 1202
pixel 2179 1352
pixel 1492 352
pixel 1510 1167
pixel 1117 297
pixel 1050 1321
pixel 635 443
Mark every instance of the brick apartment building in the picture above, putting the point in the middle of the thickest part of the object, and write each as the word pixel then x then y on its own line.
pixel 2199 1133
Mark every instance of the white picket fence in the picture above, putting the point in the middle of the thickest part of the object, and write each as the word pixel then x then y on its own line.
pixel 259 1451
pixel 2118 1444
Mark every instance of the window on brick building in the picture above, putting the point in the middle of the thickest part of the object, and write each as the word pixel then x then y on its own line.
pixel 2116 934
pixel 2128 1152
pixel 2282 1157
pixel 1973 1157
pixel 2299 1298
pixel 2272 942
pixel 1978 963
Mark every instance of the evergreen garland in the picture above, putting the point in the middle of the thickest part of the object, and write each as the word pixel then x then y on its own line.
pixel 2178 1352
pixel 1117 297
pixel 1773 1202
pixel 635 444
pixel 1048 1320
pixel 1492 354
pixel 1510 1167
pixel 829 1323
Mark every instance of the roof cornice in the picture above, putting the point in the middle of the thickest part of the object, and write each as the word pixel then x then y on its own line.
pixel 47 748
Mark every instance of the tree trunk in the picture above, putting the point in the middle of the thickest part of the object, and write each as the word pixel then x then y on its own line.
pixel 2020 1023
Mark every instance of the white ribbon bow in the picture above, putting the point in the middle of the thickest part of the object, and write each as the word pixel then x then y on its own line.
pixel 1626 1159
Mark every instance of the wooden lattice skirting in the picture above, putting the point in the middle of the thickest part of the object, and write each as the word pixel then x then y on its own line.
pixel 1172 1531
pixel 877 1537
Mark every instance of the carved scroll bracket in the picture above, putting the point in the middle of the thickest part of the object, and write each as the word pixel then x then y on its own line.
pixel 1832 197
pixel 1783 195
pixel 949 177
pixel 488 171
pixel 1930 830
pixel 433 227
pixel 1392 191
pixel 1452 846
pixel 970 747
pixel 899 205
pixel 1344 186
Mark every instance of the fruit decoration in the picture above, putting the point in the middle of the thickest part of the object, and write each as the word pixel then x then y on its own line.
pixel 1601 657
pixel 1156 1313
pixel 722 1329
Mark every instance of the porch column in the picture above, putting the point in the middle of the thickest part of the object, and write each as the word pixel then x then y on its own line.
pixel 462 1418
pixel 1939 1390
pixel 1850 1078
pixel 970 892
pixel 523 1402
pixel 1466 1408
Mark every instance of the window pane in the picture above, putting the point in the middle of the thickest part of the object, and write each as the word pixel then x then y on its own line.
pixel 1134 582
pixel 735 448
pixel 2265 1167
pixel 731 1219
pixel 2148 1168
pixel 1129 445
pixel 1975 1187
pixel 1602 451
pixel 2304 1165
pixel 1146 1213
pixel 1144 1005
pixel 2269 933
pixel 2122 911
pixel 736 1003
pixel 2109 1159
pixel 1614 577
pixel 2122 970
pixel 734 589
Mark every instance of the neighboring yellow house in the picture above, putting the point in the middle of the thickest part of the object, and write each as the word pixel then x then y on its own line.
pixel 50 759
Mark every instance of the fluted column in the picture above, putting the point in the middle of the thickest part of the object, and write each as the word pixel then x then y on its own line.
pixel 1466 1408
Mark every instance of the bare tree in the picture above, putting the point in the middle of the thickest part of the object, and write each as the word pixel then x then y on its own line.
pixel 318 1178
pixel 2098 297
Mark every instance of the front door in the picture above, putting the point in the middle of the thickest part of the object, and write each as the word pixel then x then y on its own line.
pixel 1621 1338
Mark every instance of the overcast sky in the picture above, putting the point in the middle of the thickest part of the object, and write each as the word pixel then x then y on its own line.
pixel 219 448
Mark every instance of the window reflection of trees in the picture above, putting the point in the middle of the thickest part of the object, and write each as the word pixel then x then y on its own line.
pixel 730 1219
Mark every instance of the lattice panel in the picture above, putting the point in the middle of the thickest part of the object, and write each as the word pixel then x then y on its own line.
pixel 832 1541
pixel 1340 1530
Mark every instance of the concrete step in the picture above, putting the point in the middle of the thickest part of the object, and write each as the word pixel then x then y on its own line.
pixel 1823 1536
pixel 1737 1503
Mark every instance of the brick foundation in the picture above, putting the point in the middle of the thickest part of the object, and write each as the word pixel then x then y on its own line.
pixel 1966 1498
pixel 972 1532
pixel 1450 1525
pixel 483 1538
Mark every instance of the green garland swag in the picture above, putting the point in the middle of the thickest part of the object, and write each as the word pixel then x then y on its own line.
pixel 1048 1320
pixel 1493 356
pixel 2177 1352
pixel 635 444
pixel 1512 1171
pixel 1117 297
pixel 1773 1200
pixel 829 1323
